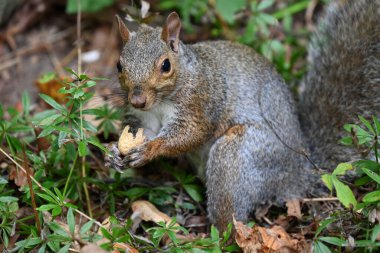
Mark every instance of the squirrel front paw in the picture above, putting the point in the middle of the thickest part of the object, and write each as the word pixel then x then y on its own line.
pixel 136 157
pixel 114 159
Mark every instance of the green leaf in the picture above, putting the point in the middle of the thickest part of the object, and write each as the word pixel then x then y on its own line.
pixel 327 180
pixel 228 8
pixel 42 115
pixel 58 229
pixel 346 140
pixel 106 234
pixel 47 77
pixel 25 102
pixel 265 4
pixel 58 238
pixel 319 247
pixel 3 181
pixel 367 124
pixel 333 240
pixel 89 84
pixel 214 233
pixel 291 9
pixel 87 6
pixel 52 102
pixel 377 124
pixel 71 221
pixel 47 131
pixel 136 192
pixel 96 143
pixel 46 207
pixel 372 197
pixel 342 168
pixel 322 225
pixel 8 199
pixel 172 236
pixel 49 120
pixel 69 70
pixel 61 138
pixel 65 248
pixel 56 211
pixel 27 243
pixel 368 164
pixel 42 249
pixel 375 233
pixel 344 193
pixel 195 191
pixel 372 175
pixel 47 197
pixel 1 111
pixel 82 148
pixel 86 227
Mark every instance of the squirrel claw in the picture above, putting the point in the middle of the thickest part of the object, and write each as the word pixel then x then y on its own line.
pixel 136 156
pixel 113 159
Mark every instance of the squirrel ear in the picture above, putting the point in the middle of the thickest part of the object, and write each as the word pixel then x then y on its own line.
pixel 123 30
pixel 170 32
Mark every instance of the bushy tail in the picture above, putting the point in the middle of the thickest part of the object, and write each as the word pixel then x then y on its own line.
pixel 343 80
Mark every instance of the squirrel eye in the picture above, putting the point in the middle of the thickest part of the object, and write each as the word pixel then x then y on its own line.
pixel 165 67
pixel 119 67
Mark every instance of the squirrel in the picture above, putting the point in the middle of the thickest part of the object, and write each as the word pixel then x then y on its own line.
pixel 227 108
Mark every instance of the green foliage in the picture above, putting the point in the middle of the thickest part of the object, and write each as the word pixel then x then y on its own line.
pixel 69 136
pixel 87 5
pixel 364 136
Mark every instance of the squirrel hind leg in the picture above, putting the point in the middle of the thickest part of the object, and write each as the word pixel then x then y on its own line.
pixel 228 194
pixel 243 176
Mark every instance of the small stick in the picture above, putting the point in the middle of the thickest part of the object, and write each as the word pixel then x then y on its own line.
pixel 320 199
pixel 33 197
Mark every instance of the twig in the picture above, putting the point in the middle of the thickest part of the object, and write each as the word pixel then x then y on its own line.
pixel 320 199
pixel 8 60
pixel 309 14
pixel 32 196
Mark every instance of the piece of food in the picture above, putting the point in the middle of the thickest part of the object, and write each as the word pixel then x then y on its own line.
pixel 127 141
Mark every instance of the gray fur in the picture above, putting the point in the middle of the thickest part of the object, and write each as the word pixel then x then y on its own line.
pixel 343 80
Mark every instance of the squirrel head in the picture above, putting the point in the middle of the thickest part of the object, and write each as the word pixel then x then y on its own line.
pixel 149 63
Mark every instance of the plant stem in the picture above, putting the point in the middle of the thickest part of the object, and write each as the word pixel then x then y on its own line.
pixel 32 196
pixel 79 42
pixel 70 173
pixel 85 187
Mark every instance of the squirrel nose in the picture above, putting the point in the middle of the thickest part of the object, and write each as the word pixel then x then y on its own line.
pixel 138 101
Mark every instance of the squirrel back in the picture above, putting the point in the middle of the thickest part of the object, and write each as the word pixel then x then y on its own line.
pixel 343 80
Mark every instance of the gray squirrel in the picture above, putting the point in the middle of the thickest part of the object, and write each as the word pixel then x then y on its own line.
pixel 228 109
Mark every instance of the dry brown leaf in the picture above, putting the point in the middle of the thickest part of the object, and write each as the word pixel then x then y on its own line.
pixel 128 141
pixel 18 176
pixel 51 88
pixel 274 239
pixel 294 208
pixel 122 247
pixel 148 212
pixel 92 248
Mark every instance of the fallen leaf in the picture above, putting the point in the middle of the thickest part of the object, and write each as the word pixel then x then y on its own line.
pixel 18 176
pixel 148 212
pixel 51 86
pixel 274 239
pixel 294 208
pixel 92 248
pixel 123 247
